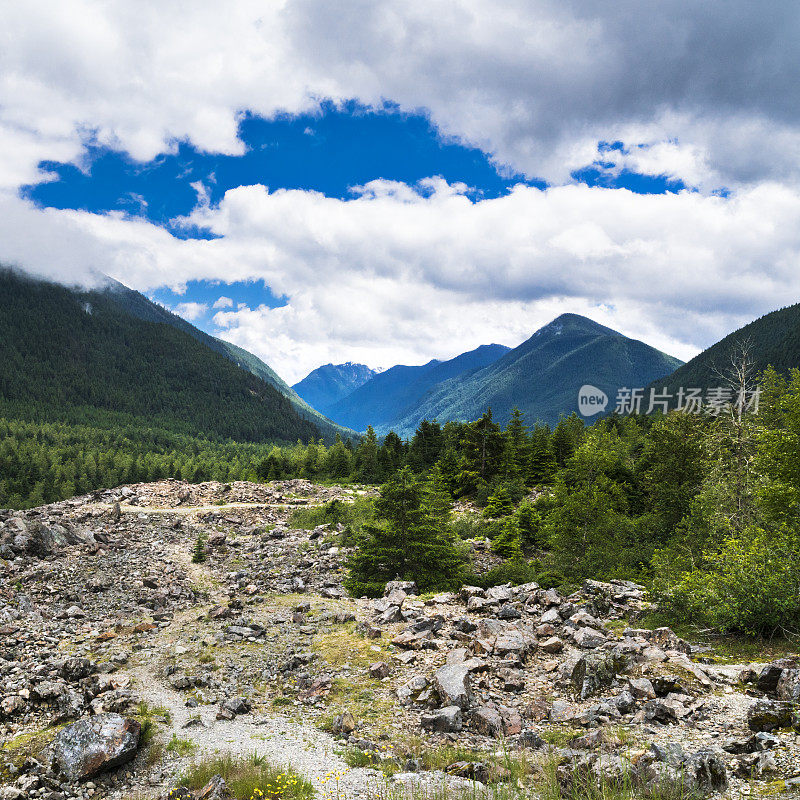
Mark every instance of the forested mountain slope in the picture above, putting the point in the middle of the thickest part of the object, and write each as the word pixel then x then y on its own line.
pixel 76 355
pixel 773 339
pixel 542 376
pixel 138 305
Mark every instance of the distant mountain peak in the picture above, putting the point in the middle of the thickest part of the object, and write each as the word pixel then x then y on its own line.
pixel 329 383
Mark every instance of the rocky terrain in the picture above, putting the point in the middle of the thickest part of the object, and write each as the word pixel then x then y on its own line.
pixel 122 662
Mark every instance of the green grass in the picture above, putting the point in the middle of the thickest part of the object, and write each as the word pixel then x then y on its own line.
pixel 249 778
pixel 580 784
pixel 180 747
pixel 149 717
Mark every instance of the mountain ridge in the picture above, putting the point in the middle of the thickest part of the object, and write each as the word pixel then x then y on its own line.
pixel 329 383
pixel 388 394
pixel 543 374
pixel 67 353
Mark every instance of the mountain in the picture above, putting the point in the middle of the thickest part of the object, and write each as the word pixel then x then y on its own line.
pixel 137 305
pixel 74 355
pixel 394 393
pixel 329 383
pixel 773 339
pixel 542 376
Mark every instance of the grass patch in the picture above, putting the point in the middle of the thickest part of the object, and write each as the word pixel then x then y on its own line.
pixel 180 747
pixel 351 514
pixel 581 784
pixel 249 778
pixel 560 737
pixel 345 646
pixel 149 717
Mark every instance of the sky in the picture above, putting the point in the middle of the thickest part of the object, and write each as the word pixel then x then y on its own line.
pixel 390 181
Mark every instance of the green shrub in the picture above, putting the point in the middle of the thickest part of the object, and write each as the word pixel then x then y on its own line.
pixel 515 572
pixel 474 526
pixel 751 585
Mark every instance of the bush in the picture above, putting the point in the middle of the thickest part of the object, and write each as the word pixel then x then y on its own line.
pixel 474 526
pixel 514 571
pixel 500 504
pixel 751 585
pixel 352 515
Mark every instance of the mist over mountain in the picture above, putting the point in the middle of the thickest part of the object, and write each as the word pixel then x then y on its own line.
pixel 110 354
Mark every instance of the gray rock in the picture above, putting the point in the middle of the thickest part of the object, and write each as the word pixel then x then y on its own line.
pixel 92 745
pixel 452 684
pixel 642 688
pixel 768 715
pixel 487 721
pixel 552 645
pixel 788 687
pixel 592 672
pixel 444 720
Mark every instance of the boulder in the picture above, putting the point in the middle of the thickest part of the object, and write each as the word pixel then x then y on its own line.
pixel 788 687
pixel 444 720
pixel 768 715
pixel 487 720
pixel 452 684
pixel 592 672
pixel 92 745
pixel 380 669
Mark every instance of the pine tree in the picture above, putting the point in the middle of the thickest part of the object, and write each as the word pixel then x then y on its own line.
pixel 500 504
pixel 368 470
pixel 199 550
pixel 508 543
pixel 412 541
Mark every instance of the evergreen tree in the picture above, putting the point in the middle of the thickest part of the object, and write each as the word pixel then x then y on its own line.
pixel 508 543
pixel 199 550
pixel 368 468
pixel 500 504
pixel 411 542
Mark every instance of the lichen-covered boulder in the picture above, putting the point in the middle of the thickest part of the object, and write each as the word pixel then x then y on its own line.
pixel 94 744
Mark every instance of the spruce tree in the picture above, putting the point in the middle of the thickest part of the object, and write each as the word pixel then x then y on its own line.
pixel 199 551
pixel 500 504
pixel 412 540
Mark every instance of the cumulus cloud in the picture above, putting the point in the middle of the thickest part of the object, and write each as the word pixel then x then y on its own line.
pixel 536 83
pixel 223 302
pixel 395 275
pixel 191 311
pixel 706 93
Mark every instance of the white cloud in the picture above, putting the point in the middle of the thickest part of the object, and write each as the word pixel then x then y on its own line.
pixel 710 87
pixel 393 276
pixel 704 92
pixel 191 311
pixel 223 302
